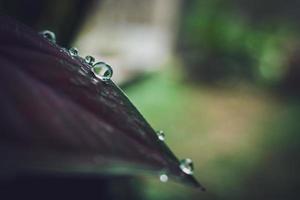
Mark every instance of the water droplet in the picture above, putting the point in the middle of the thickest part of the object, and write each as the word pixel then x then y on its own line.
pixel 163 178
pixel 73 51
pixel 160 135
pixel 89 60
pixel 48 35
pixel 187 166
pixel 102 71
pixel 63 50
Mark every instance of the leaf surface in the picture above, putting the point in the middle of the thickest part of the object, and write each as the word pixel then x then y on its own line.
pixel 57 118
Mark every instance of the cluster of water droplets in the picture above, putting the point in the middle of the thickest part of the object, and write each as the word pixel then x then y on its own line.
pixel 100 70
pixel 104 72
pixel 186 165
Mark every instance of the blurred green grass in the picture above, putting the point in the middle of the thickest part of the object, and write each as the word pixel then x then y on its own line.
pixel 229 132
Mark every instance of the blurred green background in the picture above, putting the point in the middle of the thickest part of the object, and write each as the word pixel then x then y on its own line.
pixel 220 77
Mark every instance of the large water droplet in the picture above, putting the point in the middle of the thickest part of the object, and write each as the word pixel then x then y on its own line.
pixel 102 71
pixel 163 178
pixel 160 135
pixel 89 60
pixel 48 35
pixel 73 51
pixel 187 166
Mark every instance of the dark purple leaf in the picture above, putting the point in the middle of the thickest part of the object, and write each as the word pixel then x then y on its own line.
pixel 56 118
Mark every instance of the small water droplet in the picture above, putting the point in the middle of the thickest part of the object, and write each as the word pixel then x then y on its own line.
pixel 48 35
pixel 73 51
pixel 102 71
pixel 89 60
pixel 160 135
pixel 63 50
pixel 163 178
pixel 187 166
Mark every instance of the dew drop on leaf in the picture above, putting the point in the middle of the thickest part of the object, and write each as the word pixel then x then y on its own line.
pixel 48 35
pixel 73 51
pixel 89 60
pixel 187 166
pixel 160 135
pixel 163 178
pixel 102 71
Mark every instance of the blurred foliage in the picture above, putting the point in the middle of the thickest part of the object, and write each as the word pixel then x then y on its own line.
pixel 220 40
pixel 243 139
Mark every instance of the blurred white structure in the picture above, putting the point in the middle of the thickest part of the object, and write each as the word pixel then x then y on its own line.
pixel 133 36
